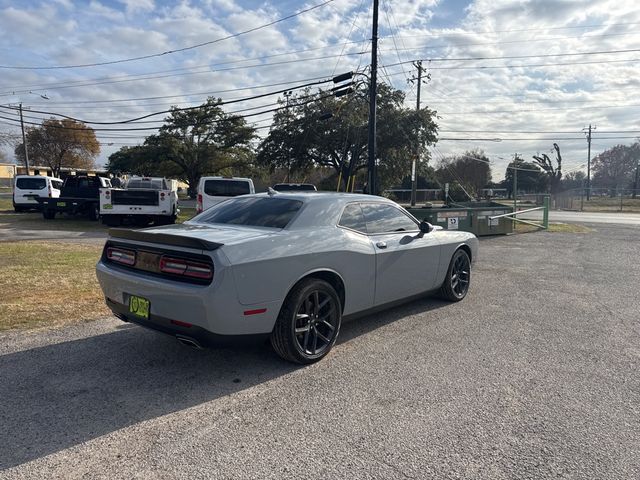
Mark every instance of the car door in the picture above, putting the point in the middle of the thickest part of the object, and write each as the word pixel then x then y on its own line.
pixel 406 259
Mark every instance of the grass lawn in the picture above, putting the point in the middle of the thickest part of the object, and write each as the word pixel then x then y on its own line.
pixel 186 214
pixel 47 284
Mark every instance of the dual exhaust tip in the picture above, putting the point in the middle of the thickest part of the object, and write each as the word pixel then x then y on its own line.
pixel 189 342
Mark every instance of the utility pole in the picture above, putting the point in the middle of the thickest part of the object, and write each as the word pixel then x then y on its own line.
pixel 24 141
pixel 287 94
pixel 414 176
pixel 373 91
pixel 515 184
pixel 635 184
pixel 589 164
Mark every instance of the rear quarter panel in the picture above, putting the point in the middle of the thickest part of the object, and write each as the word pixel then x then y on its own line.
pixel 265 270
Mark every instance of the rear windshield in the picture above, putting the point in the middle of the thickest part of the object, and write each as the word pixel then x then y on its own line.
pixel 31 183
pixel 147 183
pixel 226 188
pixel 294 187
pixel 255 212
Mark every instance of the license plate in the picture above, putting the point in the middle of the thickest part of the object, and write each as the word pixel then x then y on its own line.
pixel 107 207
pixel 61 204
pixel 139 306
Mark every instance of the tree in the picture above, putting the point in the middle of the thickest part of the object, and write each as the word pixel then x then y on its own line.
pixel 573 180
pixel 59 144
pixel 192 143
pixel 320 130
pixel 471 169
pixel 530 178
pixel 615 168
pixel 140 160
pixel 554 174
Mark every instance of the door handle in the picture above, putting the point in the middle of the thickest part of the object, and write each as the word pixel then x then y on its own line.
pixel 381 244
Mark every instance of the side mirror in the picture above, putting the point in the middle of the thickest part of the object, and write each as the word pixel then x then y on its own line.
pixel 425 227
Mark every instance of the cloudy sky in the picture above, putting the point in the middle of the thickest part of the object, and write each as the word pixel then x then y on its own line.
pixel 505 76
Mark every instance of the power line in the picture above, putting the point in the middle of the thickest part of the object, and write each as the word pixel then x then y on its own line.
pixel 168 52
pixel 492 67
pixel 226 102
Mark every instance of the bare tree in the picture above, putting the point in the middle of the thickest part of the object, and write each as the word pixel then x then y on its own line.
pixel 554 173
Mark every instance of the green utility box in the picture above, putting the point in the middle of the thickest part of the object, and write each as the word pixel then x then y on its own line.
pixel 469 217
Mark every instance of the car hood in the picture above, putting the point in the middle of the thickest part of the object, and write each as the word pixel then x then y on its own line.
pixel 207 237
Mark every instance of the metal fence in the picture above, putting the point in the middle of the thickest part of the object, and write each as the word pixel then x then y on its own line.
pixel 617 199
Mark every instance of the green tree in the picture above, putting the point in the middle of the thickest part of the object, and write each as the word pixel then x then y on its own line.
pixel 320 130
pixel 60 143
pixel 573 180
pixel 615 168
pixel 530 178
pixel 192 143
pixel 470 169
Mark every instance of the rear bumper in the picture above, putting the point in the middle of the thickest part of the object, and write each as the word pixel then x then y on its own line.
pixel 199 334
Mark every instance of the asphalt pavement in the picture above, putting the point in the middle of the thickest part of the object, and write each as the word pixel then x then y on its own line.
pixel 533 376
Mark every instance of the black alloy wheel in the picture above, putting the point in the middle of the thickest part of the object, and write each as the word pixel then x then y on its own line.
pixel 456 284
pixel 309 322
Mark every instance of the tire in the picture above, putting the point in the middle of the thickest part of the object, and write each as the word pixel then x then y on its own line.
pixel 93 212
pixel 111 220
pixel 49 214
pixel 456 283
pixel 18 209
pixel 312 309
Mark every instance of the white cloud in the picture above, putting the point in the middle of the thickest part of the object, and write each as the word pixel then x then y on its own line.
pixel 545 98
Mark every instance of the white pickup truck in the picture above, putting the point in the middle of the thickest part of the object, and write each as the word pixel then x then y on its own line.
pixel 143 200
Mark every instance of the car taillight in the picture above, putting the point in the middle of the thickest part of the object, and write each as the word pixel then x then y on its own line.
pixel 199 206
pixel 120 255
pixel 186 268
pixel 107 193
pixel 161 195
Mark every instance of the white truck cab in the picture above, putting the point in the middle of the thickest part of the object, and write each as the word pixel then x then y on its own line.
pixel 212 190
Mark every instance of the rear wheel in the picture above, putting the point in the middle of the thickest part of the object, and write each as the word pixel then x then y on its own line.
pixel 49 214
pixel 309 322
pixel 94 212
pixel 456 283
pixel 112 220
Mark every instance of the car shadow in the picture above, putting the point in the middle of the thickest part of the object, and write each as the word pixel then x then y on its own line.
pixel 61 395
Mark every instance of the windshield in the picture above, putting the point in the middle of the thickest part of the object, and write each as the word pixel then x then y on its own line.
pixel 255 212
pixel 31 183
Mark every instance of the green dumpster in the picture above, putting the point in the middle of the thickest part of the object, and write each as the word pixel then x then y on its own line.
pixel 471 217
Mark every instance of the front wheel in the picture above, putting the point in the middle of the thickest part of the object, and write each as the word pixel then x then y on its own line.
pixel 456 283
pixel 309 322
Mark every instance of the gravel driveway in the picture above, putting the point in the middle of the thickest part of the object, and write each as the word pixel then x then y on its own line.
pixel 534 375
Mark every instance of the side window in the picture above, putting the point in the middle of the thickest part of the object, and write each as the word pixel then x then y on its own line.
pixel 353 218
pixel 383 218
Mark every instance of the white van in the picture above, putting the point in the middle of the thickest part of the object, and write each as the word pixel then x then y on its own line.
pixel 212 190
pixel 26 188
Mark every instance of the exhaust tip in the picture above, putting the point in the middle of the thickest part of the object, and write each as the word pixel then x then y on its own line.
pixel 189 342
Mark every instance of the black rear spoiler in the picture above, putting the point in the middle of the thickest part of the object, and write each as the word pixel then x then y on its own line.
pixel 163 238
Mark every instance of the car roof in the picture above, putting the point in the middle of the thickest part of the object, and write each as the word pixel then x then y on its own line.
pixel 320 208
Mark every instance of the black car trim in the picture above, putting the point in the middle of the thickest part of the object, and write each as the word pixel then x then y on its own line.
pixel 164 239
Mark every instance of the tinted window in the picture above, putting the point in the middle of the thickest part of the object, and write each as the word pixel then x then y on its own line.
pixel 31 183
pixel 226 188
pixel 147 183
pixel 294 187
pixel 383 218
pixel 353 218
pixel 56 184
pixel 255 212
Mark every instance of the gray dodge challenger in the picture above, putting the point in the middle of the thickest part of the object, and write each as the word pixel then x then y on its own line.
pixel 283 266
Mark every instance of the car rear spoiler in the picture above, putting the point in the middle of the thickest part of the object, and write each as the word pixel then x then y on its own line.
pixel 164 239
